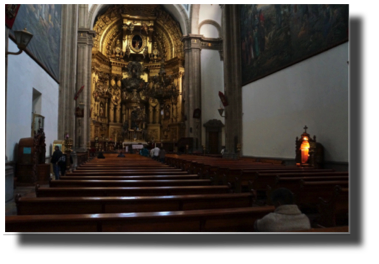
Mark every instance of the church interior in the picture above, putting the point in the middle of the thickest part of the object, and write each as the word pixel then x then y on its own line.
pixel 241 100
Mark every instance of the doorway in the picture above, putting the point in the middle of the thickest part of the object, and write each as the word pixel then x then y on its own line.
pixel 213 133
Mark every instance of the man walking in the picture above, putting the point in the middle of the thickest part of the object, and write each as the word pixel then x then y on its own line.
pixel 54 159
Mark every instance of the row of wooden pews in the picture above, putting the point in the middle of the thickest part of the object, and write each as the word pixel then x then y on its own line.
pixel 189 193
pixel 134 194
pixel 321 193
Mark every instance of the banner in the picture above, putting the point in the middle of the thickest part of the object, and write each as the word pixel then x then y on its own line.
pixel 223 99
pixel 10 14
pixel 78 93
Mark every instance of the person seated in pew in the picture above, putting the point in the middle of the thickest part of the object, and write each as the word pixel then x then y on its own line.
pixel 121 155
pixel 286 217
pixel 100 155
pixel 145 152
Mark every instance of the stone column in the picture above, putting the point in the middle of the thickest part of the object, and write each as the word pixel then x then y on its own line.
pixel 9 171
pixel 68 70
pixel 85 43
pixel 192 86
pixel 232 80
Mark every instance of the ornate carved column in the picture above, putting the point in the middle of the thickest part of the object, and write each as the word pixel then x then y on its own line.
pixel 111 113
pixel 157 114
pixel 84 56
pixel 232 73
pixel 192 86
pixel 106 110
pixel 123 114
pixel 118 110
pixel 151 109
pixel 179 105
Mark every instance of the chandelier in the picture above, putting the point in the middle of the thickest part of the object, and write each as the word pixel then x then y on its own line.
pixel 162 87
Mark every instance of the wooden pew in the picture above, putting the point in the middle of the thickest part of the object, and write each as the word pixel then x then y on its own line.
pixel 128 191
pixel 140 177
pixel 294 183
pixel 127 183
pixel 337 229
pixel 264 180
pixel 130 173
pixel 213 220
pixel 261 179
pixel 307 197
pixel 335 210
pixel 124 204
pixel 265 176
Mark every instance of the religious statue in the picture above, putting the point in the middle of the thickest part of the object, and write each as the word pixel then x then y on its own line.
pixel 116 97
pixel 101 110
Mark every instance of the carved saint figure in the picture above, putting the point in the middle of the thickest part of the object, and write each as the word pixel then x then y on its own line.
pixel 116 97
pixel 101 110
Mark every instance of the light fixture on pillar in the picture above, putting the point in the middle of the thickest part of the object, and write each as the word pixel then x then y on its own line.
pixel 23 38
pixel 221 111
pixel 224 103
pixel 162 87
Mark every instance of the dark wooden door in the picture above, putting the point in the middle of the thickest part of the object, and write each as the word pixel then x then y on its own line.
pixel 213 143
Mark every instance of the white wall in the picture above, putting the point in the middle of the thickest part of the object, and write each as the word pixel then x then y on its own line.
pixel 313 93
pixel 209 31
pixel 212 12
pixel 24 74
pixel 212 81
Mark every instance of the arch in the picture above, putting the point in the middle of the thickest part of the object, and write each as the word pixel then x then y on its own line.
pixel 210 22
pixel 177 11
pixel 194 18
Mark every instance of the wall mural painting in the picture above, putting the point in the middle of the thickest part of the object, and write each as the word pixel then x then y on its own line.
pixel 44 22
pixel 276 36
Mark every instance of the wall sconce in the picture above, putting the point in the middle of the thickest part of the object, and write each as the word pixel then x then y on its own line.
pixel 221 111
pixel 224 103
pixel 23 38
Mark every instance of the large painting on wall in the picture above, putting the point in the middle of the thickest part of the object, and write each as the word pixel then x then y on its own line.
pixel 276 36
pixel 44 22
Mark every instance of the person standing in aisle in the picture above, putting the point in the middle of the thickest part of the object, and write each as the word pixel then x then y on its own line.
pixel 54 160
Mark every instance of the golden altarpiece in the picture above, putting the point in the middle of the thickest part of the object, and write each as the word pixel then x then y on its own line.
pixel 137 70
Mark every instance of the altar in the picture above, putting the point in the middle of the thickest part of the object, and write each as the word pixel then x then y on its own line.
pixel 133 145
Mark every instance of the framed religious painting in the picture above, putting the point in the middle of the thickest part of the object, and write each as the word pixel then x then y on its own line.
pixel 44 21
pixel 274 37
pixel 37 123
